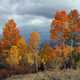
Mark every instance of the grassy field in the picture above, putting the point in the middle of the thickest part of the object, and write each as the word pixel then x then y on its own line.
pixel 50 75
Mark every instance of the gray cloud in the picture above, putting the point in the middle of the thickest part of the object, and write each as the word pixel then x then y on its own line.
pixel 35 7
pixel 32 15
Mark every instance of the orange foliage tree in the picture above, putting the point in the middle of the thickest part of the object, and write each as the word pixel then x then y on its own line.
pixel 65 24
pixel 74 20
pixel 10 33
pixel 47 53
pixel 59 23
pixel 34 40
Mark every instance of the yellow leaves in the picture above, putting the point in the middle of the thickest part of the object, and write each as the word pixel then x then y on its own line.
pixel 22 42
pixel 44 59
pixel 13 49
pixel 47 53
pixel 30 58
pixel 13 56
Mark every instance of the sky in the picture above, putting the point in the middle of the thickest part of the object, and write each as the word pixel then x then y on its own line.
pixel 33 15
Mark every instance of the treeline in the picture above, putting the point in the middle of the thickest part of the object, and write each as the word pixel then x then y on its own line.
pixel 18 57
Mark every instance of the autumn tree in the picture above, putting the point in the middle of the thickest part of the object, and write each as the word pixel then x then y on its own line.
pixel 74 22
pixel 27 58
pixel 59 27
pixel 34 40
pixel 22 45
pixel 47 53
pixel 59 24
pixel 13 56
pixel 65 27
pixel 10 33
pixel 66 24
pixel 74 19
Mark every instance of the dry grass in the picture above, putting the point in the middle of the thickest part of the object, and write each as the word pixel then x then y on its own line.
pixel 50 75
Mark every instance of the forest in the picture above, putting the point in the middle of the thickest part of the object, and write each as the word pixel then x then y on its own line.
pixel 19 57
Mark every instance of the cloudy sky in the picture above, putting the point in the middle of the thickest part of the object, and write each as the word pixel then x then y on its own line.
pixel 33 15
